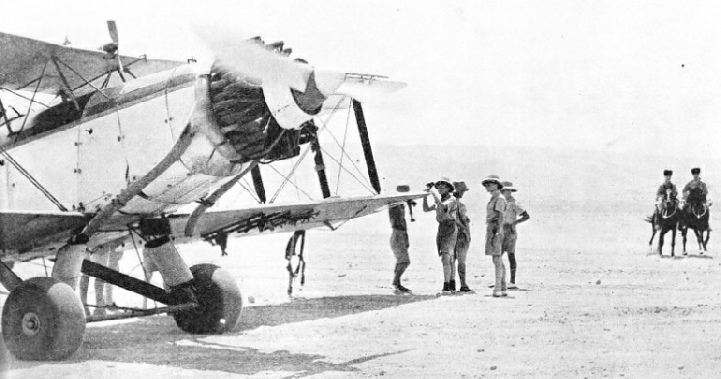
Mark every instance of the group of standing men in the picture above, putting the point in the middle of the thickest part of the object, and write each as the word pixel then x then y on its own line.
pixel 454 233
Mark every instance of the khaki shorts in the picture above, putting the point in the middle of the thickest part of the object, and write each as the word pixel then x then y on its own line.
pixel 446 238
pixel 493 241
pixel 462 244
pixel 399 245
pixel 509 238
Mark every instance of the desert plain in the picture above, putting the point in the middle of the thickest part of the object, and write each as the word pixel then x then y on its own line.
pixel 593 301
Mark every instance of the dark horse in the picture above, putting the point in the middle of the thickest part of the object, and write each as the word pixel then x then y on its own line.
pixel 695 216
pixel 663 220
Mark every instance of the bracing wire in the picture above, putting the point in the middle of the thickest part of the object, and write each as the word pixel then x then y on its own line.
pixel 32 100
pixel 349 157
pixel 287 180
pixel 345 136
pixel 247 189
pixel 24 97
pixel 348 171
pixel 300 159
pixel 32 180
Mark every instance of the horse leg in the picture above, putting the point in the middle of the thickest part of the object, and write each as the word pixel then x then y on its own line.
pixel 653 234
pixel 705 241
pixel 684 232
pixel 699 240
pixel 673 240
pixel 660 241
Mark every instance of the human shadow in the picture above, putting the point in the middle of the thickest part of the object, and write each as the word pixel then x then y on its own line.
pixel 679 257
pixel 698 256
pixel 156 340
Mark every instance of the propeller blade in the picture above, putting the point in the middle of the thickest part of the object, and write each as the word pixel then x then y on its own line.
pixel 255 59
pixel 252 59
pixel 113 31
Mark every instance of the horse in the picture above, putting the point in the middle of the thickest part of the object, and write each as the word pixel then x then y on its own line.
pixel 695 216
pixel 664 220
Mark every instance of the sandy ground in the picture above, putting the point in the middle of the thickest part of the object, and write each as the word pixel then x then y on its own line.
pixel 593 303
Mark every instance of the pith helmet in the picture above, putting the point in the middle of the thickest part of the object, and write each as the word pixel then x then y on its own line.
pixel 493 179
pixel 447 181
pixel 508 186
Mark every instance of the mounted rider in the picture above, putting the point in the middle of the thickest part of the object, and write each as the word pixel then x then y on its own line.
pixel 665 187
pixel 695 191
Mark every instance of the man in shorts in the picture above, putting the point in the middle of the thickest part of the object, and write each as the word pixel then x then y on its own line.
pixel 514 215
pixel 446 212
pixel 494 231
pixel 399 244
pixel 463 241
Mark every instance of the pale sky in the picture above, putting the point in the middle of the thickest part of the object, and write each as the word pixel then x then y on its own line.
pixel 641 76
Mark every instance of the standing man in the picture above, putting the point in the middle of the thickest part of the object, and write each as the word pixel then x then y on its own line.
pixel 695 183
pixel 494 232
pixel 514 210
pixel 399 242
pixel 446 210
pixel 463 241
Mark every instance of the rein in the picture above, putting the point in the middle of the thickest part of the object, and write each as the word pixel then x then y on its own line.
pixel 665 214
pixel 705 209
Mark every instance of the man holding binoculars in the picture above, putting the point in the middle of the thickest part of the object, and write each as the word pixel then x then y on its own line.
pixel 446 212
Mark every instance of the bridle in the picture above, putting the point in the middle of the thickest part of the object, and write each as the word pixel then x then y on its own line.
pixel 693 210
pixel 667 202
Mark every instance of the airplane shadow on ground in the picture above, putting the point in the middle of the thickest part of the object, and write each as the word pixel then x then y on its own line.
pixel 153 340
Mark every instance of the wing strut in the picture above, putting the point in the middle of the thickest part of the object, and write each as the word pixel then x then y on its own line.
pixel 258 183
pixel 367 150
pixel 320 166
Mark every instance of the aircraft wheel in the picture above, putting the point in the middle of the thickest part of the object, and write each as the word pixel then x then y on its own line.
pixel 220 302
pixel 43 319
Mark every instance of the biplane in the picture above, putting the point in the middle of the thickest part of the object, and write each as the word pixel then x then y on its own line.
pixel 122 150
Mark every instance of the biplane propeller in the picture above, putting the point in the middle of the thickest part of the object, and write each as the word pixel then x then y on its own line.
pixel 113 161
pixel 112 51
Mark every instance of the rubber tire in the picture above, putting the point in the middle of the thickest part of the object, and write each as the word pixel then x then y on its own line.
pixel 220 302
pixel 60 320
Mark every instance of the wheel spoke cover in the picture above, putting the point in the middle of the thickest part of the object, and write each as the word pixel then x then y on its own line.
pixel 43 319
pixel 220 302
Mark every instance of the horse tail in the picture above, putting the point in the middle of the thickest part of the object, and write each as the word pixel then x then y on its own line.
pixel 650 218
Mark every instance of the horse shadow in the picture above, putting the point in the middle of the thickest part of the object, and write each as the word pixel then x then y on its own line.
pixel 157 340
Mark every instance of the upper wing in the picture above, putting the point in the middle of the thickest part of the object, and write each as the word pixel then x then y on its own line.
pixel 27 230
pixel 23 61
pixel 284 218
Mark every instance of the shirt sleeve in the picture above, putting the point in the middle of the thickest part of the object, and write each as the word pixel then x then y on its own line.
pixel 519 208
pixel 500 205
pixel 451 206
